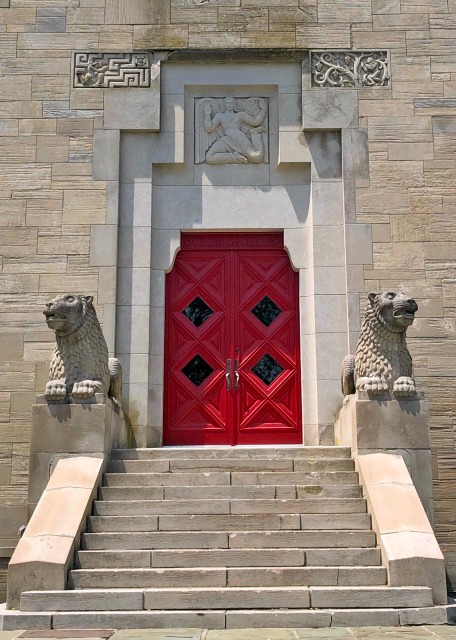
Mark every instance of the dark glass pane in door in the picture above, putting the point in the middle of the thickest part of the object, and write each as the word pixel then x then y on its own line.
pixel 197 370
pixel 266 311
pixel 197 312
pixel 267 369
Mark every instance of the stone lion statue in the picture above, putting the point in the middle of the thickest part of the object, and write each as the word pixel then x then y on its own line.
pixel 382 361
pixel 79 366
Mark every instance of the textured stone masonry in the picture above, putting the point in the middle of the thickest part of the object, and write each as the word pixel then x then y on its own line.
pixel 49 202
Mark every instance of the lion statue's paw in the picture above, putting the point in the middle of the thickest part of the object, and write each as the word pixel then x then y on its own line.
pixel 404 387
pixel 55 390
pixel 86 389
pixel 372 384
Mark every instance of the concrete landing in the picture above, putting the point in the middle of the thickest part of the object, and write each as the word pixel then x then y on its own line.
pixel 436 632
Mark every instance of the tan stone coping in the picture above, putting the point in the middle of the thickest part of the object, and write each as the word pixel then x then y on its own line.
pixel 409 547
pixel 45 551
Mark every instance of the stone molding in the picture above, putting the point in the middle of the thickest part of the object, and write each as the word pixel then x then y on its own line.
pixel 70 445
pixel 331 68
pixel 410 550
pixel 390 442
pixel 109 70
pixel 45 552
pixel 355 69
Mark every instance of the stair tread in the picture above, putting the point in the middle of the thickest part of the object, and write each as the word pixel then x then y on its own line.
pixel 241 532
pixel 207 478
pixel 243 492
pixel 231 619
pixel 226 451
pixel 70 593
pixel 288 597
pixel 222 567
pixel 258 557
pixel 225 539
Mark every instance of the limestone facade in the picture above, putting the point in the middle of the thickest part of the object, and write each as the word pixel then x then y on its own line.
pixel 364 177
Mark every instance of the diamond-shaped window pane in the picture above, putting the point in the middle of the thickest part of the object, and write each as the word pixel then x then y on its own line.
pixel 197 312
pixel 197 370
pixel 267 369
pixel 266 311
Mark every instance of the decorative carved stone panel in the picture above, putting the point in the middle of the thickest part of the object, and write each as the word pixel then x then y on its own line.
pixel 231 130
pixel 355 69
pixel 104 70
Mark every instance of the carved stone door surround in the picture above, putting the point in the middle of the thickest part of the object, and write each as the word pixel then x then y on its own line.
pixel 299 187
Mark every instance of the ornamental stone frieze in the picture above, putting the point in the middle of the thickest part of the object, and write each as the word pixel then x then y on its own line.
pixel 106 70
pixel 356 69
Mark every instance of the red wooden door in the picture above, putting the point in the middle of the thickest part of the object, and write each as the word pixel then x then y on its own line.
pixel 232 371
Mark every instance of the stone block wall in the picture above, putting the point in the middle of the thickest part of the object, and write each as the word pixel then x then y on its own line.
pixel 406 189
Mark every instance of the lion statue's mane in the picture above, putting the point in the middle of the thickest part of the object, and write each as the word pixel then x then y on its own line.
pixel 382 361
pixel 79 366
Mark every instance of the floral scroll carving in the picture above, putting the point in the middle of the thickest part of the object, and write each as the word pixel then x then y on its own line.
pixel 231 130
pixel 355 69
pixel 104 70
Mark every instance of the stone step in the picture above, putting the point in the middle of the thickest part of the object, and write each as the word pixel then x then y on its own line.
pixel 227 598
pixel 301 539
pixel 228 522
pixel 156 540
pixel 160 507
pixel 287 597
pixel 231 464
pixel 193 558
pixel 239 507
pixel 220 452
pixel 125 559
pixel 238 492
pixel 348 557
pixel 165 479
pixel 223 478
pixel 322 540
pixel 231 619
pixel 265 576
pixel 296 478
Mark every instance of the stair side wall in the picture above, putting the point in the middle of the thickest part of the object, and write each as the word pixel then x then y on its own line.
pixel 45 552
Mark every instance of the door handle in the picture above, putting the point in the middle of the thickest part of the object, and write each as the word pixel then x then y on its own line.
pixel 236 375
pixel 228 374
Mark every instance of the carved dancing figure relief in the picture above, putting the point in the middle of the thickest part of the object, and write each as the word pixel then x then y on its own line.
pixel 230 131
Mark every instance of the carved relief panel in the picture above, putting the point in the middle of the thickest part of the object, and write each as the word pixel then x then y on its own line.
pixel 231 130
pixel 356 69
pixel 108 70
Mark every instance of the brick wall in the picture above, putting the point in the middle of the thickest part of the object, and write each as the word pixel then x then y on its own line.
pixel 48 200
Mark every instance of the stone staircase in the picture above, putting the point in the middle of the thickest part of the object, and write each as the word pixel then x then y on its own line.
pixel 225 538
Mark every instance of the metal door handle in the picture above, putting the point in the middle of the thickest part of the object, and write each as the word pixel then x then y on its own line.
pixel 236 375
pixel 228 375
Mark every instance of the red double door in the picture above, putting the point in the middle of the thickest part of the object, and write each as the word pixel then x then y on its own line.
pixel 232 372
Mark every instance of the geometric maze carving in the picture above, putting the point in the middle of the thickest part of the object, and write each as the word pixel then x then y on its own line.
pixel 104 70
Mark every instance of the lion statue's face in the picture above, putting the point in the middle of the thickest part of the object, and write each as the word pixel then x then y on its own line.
pixel 65 314
pixel 396 310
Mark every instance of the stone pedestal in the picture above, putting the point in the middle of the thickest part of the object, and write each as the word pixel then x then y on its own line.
pixel 90 428
pixel 382 424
